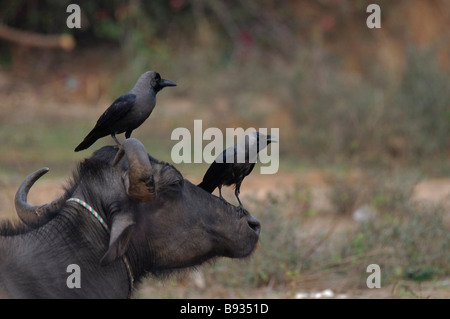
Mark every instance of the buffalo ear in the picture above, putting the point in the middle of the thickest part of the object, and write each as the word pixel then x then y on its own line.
pixel 121 230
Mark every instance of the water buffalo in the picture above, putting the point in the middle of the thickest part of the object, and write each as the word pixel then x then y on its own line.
pixel 150 221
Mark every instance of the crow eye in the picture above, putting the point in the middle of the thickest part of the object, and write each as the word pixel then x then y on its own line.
pixel 157 77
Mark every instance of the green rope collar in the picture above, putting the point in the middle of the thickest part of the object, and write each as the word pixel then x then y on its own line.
pixel 105 226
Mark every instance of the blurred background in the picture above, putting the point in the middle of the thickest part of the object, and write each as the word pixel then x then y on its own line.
pixel 364 118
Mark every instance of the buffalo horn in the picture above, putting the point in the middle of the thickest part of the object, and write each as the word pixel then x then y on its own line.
pixel 34 216
pixel 140 185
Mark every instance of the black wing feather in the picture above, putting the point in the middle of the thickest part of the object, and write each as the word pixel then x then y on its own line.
pixel 121 106
pixel 118 109
pixel 213 177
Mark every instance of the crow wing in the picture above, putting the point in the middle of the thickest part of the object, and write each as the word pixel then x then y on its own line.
pixel 108 119
pixel 213 177
pixel 121 106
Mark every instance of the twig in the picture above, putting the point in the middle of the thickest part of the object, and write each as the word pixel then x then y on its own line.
pixel 31 39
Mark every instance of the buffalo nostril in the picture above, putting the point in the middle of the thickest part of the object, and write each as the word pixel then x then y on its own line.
pixel 254 224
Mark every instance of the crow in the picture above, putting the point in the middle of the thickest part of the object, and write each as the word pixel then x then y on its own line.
pixel 234 164
pixel 129 111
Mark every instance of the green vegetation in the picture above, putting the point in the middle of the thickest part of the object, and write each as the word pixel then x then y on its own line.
pixel 398 239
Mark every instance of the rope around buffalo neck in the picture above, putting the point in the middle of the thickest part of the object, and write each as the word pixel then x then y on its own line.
pixel 105 226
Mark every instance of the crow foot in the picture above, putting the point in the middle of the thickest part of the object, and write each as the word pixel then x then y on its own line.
pixel 242 211
pixel 223 199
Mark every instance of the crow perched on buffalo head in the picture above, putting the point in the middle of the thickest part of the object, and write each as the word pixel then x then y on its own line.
pixel 235 163
pixel 129 111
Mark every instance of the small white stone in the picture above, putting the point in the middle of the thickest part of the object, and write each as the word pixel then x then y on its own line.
pixel 364 213
pixel 317 295
pixel 301 295
pixel 328 293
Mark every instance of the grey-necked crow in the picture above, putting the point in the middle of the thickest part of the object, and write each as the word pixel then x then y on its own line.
pixel 235 163
pixel 129 111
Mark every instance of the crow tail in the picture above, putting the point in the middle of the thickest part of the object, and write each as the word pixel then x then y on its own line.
pixel 207 186
pixel 87 142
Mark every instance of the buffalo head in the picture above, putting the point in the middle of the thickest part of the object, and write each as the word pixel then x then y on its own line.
pixel 158 219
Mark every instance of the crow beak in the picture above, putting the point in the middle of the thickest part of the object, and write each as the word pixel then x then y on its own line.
pixel 270 137
pixel 164 83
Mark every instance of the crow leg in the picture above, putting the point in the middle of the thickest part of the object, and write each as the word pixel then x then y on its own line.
pixel 237 191
pixel 113 135
pixel 220 192
pixel 128 133
pixel 240 204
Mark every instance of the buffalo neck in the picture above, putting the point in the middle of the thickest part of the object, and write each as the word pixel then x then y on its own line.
pixel 72 237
